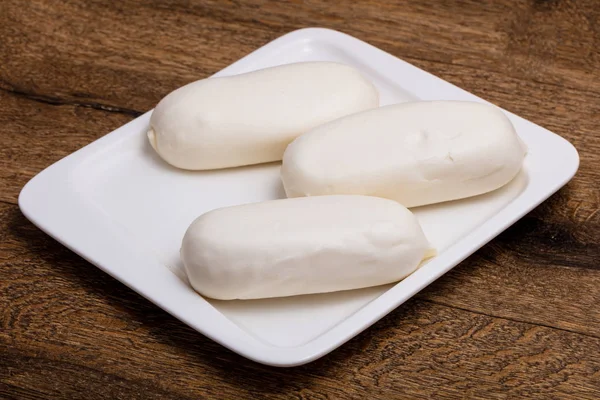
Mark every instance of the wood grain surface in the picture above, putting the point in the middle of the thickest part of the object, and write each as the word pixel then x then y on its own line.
pixel 519 319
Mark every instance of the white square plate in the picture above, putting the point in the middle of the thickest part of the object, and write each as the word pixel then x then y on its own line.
pixel 116 204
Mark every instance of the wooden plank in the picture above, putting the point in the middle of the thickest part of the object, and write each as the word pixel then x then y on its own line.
pixel 518 319
pixel 68 331
pixel 129 56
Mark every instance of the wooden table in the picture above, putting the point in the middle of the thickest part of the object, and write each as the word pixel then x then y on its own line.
pixel 520 318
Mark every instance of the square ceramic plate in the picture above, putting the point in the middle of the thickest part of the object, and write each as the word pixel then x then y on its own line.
pixel 116 204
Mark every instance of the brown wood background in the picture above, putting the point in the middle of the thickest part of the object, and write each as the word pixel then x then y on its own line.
pixel 518 319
